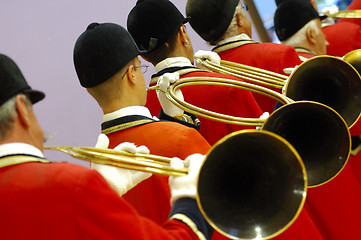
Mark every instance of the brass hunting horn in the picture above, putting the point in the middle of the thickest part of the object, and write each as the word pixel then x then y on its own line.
pixel 354 58
pixel 320 124
pixel 252 184
pixel 325 79
pixel 354 13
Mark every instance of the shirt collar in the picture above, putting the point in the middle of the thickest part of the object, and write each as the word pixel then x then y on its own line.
pixel 19 148
pixel 132 110
pixel 242 36
pixel 173 62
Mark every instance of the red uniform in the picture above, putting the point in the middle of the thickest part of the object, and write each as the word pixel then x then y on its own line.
pixel 219 99
pixel 343 37
pixel 151 198
pixel 335 206
pixel 269 56
pixel 346 202
pixel 67 201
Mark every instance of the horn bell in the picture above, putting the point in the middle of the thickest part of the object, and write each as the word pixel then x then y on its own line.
pixel 318 133
pixel 331 81
pixel 257 190
pixel 354 58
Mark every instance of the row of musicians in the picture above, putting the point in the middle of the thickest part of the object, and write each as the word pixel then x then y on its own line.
pixel 107 65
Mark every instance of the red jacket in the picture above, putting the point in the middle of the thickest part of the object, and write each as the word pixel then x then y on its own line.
pixel 343 37
pixel 67 201
pixel 335 206
pixel 269 56
pixel 151 198
pixel 219 99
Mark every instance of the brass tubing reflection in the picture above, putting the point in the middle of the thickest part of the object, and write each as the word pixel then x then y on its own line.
pixel 247 73
pixel 220 82
pixel 142 162
pixel 355 13
pixel 325 79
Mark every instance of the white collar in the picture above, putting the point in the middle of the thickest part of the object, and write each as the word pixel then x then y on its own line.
pixel 19 148
pixel 173 62
pixel 132 110
pixel 242 36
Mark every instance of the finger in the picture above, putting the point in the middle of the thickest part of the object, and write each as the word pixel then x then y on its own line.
pixel 176 163
pixel 127 147
pixel 172 77
pixel 142 149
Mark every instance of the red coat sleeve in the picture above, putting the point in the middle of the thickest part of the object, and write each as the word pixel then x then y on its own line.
pixel 101 214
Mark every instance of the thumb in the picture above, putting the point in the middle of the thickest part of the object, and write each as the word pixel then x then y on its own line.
pixel 102 142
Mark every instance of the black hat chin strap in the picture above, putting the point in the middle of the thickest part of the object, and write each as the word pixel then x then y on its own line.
pixel 152 44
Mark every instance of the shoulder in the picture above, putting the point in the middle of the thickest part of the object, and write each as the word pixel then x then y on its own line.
pixel 63 173
pixel 169 127
pixel 209 74
pixel 271 51
pixel 173 131
pixel 268 45
pixel 60 180
pixel 277 47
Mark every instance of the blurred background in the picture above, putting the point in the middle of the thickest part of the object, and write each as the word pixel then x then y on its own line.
pixel 39 35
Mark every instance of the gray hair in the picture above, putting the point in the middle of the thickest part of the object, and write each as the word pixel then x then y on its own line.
pixel 298 39
pixel 233 26
pixel 8 114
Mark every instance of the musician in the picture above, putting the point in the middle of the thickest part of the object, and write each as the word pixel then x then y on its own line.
pixel 297 24
pixel 342 36
pixel 288 15
pixel 225 25
pixel 211 19
pixel 291 17
pixel 157 27
pixel 45 200
pixel 107 65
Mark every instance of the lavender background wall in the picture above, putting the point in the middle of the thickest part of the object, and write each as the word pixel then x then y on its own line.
pixel 40 35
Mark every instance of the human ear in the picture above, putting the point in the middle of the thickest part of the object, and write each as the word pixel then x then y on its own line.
pixel 131 74
pixel 183 36
pixel 23 111
pixel 311 36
